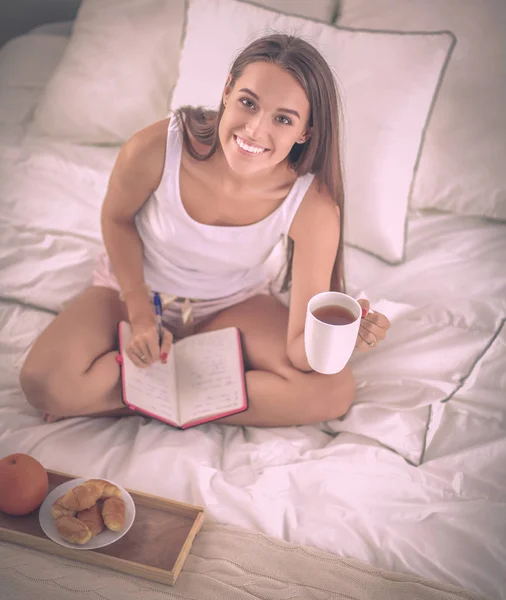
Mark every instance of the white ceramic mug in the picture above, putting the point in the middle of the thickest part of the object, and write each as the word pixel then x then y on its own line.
pixel 329 347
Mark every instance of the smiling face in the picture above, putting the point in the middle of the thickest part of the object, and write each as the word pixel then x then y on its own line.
pixel 266 113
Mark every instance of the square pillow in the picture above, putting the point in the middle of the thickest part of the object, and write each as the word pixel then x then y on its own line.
pixel 26 64
pixel 461 168
pixel 388 82
pixel 117 73
pixel 322 10
pixel 120 67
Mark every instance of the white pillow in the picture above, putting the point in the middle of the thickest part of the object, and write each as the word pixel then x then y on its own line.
pixel 26 65
pixel 120 67
pixel 462 167
pixel 321 10
pixel 117 72
pixel 61 28
pixel 388 82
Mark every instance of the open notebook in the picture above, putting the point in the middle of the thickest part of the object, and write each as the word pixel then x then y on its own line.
pixel 202 380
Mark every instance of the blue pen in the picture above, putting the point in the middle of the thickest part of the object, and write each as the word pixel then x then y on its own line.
pixel 158 311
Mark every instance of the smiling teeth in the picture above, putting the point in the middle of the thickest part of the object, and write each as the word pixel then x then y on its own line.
pixel 247 147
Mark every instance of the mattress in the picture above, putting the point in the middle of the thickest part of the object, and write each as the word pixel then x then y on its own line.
pixel 412 479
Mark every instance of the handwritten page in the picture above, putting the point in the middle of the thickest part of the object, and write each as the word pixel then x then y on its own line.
pixel 152 390
pixel 210 376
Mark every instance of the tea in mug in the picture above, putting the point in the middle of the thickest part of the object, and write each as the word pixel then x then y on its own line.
pixel 334 315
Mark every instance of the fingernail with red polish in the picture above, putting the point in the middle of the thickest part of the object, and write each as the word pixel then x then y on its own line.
pixel 163 356
pixel 364 312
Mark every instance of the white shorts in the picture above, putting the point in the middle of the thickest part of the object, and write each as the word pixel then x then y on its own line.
pixel 180 315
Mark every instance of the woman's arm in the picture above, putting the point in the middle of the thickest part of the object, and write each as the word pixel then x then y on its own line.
pixel 315 233
pixel 136 174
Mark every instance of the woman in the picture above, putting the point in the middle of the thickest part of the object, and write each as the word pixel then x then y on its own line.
pixel 195 205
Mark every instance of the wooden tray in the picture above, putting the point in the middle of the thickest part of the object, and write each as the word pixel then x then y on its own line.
pixel 155 547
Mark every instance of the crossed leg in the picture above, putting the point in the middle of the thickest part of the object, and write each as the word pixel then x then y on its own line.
pixel 71 370
pixel 278 393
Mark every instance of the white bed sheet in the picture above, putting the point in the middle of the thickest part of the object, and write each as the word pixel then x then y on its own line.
pixel 412 480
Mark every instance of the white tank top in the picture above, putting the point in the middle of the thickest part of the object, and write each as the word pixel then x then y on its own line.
pixel 194 260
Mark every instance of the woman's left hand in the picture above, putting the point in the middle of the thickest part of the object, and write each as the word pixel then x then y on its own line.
pixel 373 328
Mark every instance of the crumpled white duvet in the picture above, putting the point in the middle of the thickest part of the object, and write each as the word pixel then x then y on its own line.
pixel 412 479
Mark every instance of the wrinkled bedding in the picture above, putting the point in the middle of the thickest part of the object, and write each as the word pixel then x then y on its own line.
pixel 412 479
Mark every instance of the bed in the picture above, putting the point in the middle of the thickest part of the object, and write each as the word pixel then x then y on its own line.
pixel 411 480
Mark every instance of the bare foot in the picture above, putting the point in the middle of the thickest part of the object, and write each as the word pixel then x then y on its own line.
pixel 117 412
pixel 51 418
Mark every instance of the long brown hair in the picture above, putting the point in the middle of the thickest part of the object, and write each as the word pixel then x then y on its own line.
pixel 319 154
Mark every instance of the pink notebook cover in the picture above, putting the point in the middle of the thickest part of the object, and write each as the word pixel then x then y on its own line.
pixel 119 360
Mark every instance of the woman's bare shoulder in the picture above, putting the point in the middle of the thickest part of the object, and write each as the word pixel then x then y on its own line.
pixel 150 141
pixel 318 213
pixel 143 154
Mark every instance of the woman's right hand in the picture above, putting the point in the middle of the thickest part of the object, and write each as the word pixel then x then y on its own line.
pixel 144 348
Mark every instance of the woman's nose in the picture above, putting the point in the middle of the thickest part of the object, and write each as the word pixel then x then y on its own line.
pixel 255 125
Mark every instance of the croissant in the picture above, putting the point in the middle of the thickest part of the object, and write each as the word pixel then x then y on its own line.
pixel 113 513
pixel 73 530
pixel 58 510
pixel 108 489
pixel 82 496
pixel 92 517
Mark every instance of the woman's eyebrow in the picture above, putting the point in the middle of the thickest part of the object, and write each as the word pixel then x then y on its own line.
pixel 286 110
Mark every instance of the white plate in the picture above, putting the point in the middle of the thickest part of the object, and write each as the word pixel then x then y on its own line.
pixel 104 538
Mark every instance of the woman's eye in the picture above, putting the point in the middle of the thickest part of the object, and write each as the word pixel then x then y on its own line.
pixel 247 102
pixel 284 120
